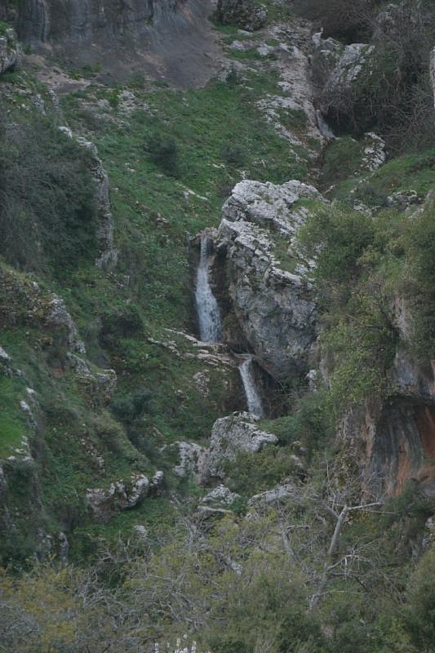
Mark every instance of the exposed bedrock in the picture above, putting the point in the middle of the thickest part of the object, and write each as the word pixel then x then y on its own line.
pixel 393 440
pixel 269 285
pixel 170 39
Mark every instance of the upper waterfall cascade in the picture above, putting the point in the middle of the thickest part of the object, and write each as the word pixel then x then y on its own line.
pixel 253 400
pixel 209 319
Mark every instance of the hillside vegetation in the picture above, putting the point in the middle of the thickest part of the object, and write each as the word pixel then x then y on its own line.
pixel 321 541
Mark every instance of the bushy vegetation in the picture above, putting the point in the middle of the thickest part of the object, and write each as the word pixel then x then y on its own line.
pixel 393 93
pixel 364 263
pixel 47 198
pixel 235 584
pixel 342 19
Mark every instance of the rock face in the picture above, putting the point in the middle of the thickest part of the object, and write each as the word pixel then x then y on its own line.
pixel 192 461
pixel 108 254
pixel 337 67
pixel 232 435
pixel 274 306
pixel 81 20
pixel 374 155
pixel 245 14
pixel 9 50
pixel 165 38
pixel 393 440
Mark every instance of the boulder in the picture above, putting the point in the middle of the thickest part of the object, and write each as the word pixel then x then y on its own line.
pixel 221 496
pixel 374 154
pixel 120 495
pixel 268 205
pixel 272 297
pixel 192 461
pixel 280 493
pixel 336 68
pixel 234 434
pixel 9 49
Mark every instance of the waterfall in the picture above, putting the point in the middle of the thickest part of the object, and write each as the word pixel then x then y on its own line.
pixel 252 397
pixel 209 319
pixel 323 126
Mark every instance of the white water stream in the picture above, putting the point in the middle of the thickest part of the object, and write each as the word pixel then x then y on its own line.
pixel 252 397
pixel 209 319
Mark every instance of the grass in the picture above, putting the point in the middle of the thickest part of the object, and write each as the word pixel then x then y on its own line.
pixel 12 420
pixel 408 172
pixel 155 217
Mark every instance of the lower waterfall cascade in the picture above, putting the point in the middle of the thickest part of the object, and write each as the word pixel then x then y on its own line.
pixel 253 399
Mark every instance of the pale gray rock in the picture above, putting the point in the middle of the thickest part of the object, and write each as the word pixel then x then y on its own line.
pixel 374 154
pixel 275 307
pixel 337 68
pixel 220 496
pixel 192 461
pixel 353 61
pixel 277 494
pixel 245 14
pixel 232 435
pixel 141 532
pixel 327 53
pixel 6 363
pixel 120 495
pixel 59 320
pixel 108 254
pixel 10 53
pixel 5 359
pixel 268 205
pixel 101 385
pixel 156 485
pixel 403 199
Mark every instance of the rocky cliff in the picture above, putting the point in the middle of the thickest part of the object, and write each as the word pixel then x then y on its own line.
pixel 165 38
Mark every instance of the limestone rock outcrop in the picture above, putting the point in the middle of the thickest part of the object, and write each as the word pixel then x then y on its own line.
pixel 337 67
pixel 108 254
pixel 192 461
pixel 121 495
pixel 269 285
pixel 245 14
pixel 163 38
pixel 9 50
pixel 392 440
pixel 232 435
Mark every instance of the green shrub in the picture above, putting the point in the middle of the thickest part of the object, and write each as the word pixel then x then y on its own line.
pixel 341 159
pixel 338 237
pixel 164 152
pixel 349 20
pixel 47 199
pixel 420 614
pixel 393 93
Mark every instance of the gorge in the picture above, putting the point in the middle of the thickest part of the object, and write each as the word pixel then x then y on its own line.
pixel 216 326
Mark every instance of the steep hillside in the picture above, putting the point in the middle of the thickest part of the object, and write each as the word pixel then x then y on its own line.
pixel 216 308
